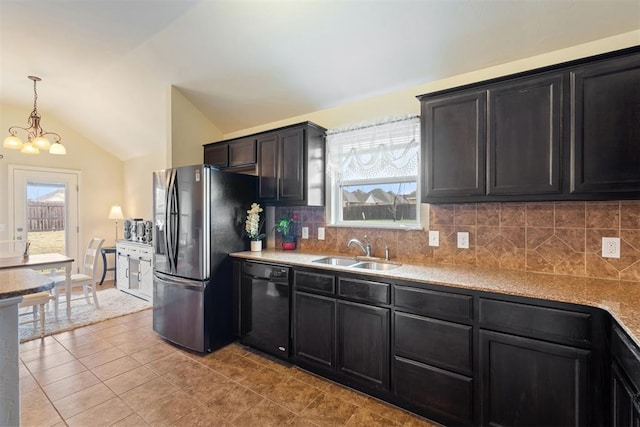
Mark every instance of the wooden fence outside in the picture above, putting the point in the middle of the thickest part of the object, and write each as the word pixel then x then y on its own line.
pixel 379 212
pixel 45 216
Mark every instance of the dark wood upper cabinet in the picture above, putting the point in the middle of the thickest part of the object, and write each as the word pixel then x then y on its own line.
pixel 566 132
pixel 291 165
pixel 217 155
pixel 524 136
pixel 242 152
pixel 605 124
pixel 453 149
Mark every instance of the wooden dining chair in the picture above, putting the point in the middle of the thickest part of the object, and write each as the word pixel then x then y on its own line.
pixel 85 280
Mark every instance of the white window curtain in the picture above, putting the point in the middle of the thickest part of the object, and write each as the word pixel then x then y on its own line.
pixel 380 151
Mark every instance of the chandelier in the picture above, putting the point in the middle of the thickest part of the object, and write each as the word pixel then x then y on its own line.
pixel 36 136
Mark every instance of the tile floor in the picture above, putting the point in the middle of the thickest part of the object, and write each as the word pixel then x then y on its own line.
pixel 119 372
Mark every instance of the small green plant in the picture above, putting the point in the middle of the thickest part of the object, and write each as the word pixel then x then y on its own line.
pixel 286 224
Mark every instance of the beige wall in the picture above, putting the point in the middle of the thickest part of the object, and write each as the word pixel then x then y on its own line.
pixel 138 184
pixel 190 129
pixel 405 102
pixel 101 183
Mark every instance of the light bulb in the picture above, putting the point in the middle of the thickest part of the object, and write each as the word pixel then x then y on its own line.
pixel 42 143
pixel 13 142
pixel 29 148
pixel 57 148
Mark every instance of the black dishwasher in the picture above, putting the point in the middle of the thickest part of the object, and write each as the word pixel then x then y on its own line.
pixel 265 307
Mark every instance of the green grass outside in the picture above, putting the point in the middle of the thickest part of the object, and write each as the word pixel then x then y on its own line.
pixel 46 242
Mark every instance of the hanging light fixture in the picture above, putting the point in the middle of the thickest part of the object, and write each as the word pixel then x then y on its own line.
pixel 36 136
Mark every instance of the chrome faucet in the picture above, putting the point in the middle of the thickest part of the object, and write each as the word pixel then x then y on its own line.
pixel 358 243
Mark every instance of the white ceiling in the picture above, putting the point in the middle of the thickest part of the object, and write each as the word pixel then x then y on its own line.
pixel 106 64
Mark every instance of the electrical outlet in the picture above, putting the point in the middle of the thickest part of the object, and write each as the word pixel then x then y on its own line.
pixel 434 238
pixel 320 233
pixel 463 240
pixel 611 247
pixel 305 232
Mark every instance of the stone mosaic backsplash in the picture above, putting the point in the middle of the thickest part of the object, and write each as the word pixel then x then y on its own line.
pixel 548 237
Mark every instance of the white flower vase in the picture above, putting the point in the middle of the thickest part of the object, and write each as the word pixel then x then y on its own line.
pixel 256 245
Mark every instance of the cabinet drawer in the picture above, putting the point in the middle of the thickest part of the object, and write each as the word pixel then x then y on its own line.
pixel 436 391
pixel 529 320
pixel 627 355
pixel 444 344
pixel 315 282
pixel 146 253
pixel 363 290
pixel 433 303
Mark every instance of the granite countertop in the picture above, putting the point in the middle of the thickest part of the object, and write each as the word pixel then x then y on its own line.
pixel 14 283
pixel 620 298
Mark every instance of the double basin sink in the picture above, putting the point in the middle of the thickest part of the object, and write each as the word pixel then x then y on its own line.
pixel 349 262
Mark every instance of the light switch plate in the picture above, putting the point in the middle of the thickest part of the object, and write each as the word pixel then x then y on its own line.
pixel 611 247
pixel 305 232
pixel 434 238
pixel 463 240
pixel 320 233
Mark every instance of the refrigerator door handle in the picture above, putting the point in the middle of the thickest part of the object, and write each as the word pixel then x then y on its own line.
pixel 185 283
pixel 167 219
pixel 175 222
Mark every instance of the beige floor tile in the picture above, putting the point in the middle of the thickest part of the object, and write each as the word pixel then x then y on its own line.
pixel 120 328
pixel 311 379
pixel 328 410
pixel 37 410
pixel 233 400
pixel 41 342
pixel 147 393
pixel 415 421
pixel 131 379
pixel 38 352
pixel 67 386
pixel 154 352
pixel 83 400
pixel 133 420
pixel 28 384
pixel 168 409
pixel 83 350
pixel 57 373
pixel 49 361
pixel 75 334
pixel 104 414
pixel 115 367
pixel 235 368
pixel 201 416
pixel 22 370
pixel 385 410
pixel 102 357
pixel 265 414
pixel 365 418
pixel 263 381
pixel 137 344
pixel 293 394
pixel 167 363
pixel 345 393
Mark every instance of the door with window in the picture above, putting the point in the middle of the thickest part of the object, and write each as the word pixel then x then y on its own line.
pixel 45 209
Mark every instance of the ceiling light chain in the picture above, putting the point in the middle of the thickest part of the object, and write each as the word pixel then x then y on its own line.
pixel 36 139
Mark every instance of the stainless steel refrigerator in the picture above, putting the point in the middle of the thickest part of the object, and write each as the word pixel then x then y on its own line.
pixel 199 215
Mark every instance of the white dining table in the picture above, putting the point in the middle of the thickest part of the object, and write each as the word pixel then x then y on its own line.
pixel 42 262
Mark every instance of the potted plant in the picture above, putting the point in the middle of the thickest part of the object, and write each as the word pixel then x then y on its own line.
pixel 253 227
pixel 286 226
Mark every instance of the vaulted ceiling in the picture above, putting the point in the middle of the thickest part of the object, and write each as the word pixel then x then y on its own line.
pixel 106 65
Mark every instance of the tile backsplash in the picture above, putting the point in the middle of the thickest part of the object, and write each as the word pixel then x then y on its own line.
pixel 549 237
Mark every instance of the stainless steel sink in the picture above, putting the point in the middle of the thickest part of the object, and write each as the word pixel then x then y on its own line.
pixel 380 266
pixel 344 262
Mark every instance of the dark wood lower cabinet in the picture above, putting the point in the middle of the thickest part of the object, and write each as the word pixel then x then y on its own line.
pixel 624 403
pixel 532 382
pixel 434 390
pixel 363 343
pixel 314 330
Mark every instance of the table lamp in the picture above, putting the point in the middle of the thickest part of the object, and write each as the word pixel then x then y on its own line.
pixel 116 213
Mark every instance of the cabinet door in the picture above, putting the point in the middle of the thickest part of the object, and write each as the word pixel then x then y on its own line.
pixel 314 330
pixel 268 168
pixel 216 155
pixel 291 179
pixel 531 382
pixel 122 278
pixel 605 112
pixel 623 401
pixel 363 343
pixel 146 277
pixel 454 134
pixel 525 136
pixel 242 152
